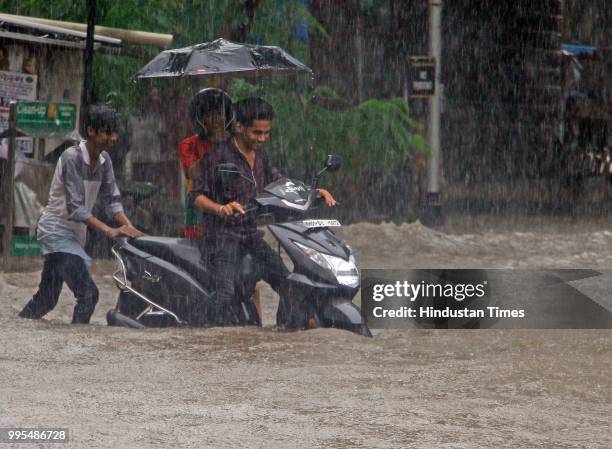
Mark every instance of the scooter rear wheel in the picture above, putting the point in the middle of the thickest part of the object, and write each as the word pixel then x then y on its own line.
pixel 129 305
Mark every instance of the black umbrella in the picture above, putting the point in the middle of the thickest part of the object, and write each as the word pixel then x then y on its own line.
pixel 222 57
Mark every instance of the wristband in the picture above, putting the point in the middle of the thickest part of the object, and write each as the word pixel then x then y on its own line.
pixel 220 211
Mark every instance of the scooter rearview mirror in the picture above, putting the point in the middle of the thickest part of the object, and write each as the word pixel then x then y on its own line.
pixel 229 172
pixel 228 169
pixel 333 163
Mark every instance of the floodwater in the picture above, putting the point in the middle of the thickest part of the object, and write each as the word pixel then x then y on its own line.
pixel 325 388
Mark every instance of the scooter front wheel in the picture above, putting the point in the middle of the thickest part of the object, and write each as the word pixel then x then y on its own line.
pixel 364 331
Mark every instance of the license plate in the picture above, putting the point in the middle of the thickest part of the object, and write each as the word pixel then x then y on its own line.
pixel 321 223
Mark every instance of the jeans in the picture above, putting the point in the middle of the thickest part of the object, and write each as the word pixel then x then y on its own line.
pixel 59 268
pixel 226 262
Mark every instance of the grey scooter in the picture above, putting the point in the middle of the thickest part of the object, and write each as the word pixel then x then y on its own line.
pixel 163 281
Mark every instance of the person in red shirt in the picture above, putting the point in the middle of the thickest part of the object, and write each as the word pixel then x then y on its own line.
pixel 211 112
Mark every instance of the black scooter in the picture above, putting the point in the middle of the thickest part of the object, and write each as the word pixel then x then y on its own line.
pixel 165 281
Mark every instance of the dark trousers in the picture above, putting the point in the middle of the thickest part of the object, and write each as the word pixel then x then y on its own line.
pixel 226 265
pixel 60 268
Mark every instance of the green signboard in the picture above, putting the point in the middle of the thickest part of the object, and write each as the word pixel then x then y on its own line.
pixel 46 119
pixel 25 246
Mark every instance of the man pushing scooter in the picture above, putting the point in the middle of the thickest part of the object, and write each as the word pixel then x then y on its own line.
pixel 83 175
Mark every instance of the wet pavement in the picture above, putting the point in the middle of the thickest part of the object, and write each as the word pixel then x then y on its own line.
pixel 257 388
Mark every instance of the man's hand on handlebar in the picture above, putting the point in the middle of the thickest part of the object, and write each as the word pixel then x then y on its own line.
pixel 230 209
pixel 124 231
pixel 327 197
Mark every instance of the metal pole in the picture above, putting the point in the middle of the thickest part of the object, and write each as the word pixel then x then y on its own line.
pixel 87 94
pixel 9 189
pixel 359 62
pixel 433 212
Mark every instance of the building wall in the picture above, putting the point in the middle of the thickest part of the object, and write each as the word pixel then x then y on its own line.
pixel 60 79
pixel 59 71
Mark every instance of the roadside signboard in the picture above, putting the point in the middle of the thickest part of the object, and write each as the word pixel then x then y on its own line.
pixel 15 86
pixel 422 73
pixel 25 246
pixel 44 119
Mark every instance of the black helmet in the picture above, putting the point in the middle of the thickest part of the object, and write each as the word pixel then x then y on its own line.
pixel 209 99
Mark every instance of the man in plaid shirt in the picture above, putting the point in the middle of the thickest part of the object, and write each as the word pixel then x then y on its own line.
pixel 230 229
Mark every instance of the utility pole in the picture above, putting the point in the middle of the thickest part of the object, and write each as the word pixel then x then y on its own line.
pixel 432 214
pixel 359 62
pixel 87 94
pixel 9 188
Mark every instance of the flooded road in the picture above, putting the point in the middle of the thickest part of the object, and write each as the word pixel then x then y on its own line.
pixel 256 388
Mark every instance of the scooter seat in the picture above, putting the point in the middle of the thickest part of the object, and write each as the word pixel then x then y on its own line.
pixel 183 253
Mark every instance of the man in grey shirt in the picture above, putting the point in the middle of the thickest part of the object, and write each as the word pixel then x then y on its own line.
pixel 83 175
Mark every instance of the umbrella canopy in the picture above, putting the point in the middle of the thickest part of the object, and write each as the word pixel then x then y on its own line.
pixel 221 57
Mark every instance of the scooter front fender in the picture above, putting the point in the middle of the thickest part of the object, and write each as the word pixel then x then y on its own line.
pixel 343 314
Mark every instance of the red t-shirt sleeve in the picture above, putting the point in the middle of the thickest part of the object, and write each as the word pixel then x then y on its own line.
pixel 191 150
pixel 187 153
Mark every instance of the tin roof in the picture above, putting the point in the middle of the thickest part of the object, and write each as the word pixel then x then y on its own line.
pixel 19 28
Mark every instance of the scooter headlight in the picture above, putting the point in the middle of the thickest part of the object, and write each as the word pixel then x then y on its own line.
pixel 345 271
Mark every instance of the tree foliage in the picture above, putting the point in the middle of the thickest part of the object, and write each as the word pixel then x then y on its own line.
pixel 372 136
pixel 375 133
